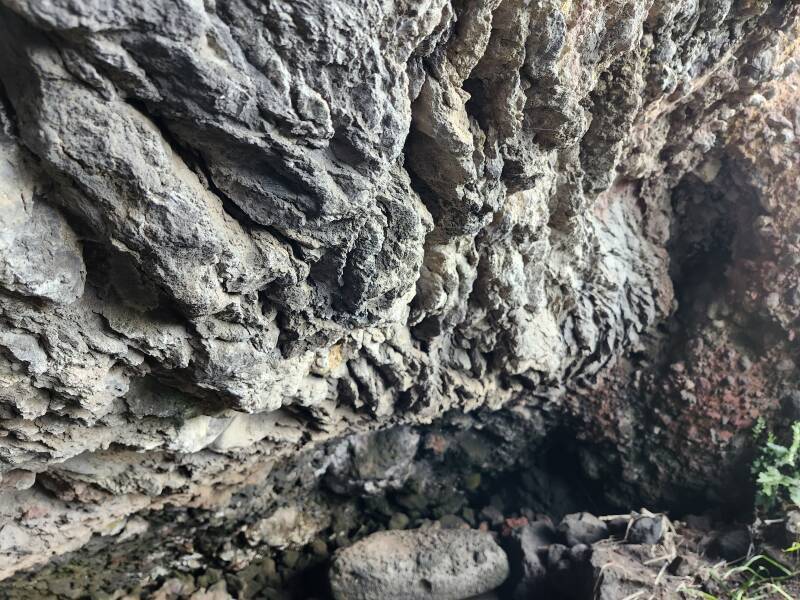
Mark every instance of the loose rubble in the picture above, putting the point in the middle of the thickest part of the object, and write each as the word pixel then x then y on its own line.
pixel 523 554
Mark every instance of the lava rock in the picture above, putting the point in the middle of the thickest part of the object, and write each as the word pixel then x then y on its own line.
pixel 491 514
pixel 792 524
pixel 528 573
pixel 731 545
pixel 452 522
pixel 369 464
pixel 422 564
pixel 557 557
pixel 618 526
pixel 621 571
pixel 582 528
pixel 217 591
pixel 570 574
pixel 287 526
pixel 537 535
pixel 699 522
pixel 399 521
pixel 790 405
pixel 332 216
pixel 646 530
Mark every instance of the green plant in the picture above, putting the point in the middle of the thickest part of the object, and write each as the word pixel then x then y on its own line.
pixel 795 547
pixel 777 470
pixel 756 579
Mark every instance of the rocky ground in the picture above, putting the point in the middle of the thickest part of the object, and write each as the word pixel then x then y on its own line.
pixel 523 554
pixel 530 501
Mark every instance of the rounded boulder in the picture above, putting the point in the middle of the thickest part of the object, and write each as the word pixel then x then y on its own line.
pixel 421 564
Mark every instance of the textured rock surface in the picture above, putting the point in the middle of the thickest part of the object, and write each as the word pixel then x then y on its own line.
pixel 231 230
pixel 582 528
pixel 416 565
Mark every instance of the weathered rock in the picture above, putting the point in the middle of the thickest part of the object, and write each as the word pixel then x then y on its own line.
pixel 525 547
pixel 450 564
pixel 618 526
pixel 216 591
pixel 287 526
pixel 569 571
pixel 699 522
pixel 232 231
pixel 40 255
pixel 732 545
pixel 372 463
pixel 792 524
pixel 646 530
pixel 627 570
pixel 492 515
pixel 582 528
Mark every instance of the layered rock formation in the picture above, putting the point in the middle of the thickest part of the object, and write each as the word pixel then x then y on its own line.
pixel 232 230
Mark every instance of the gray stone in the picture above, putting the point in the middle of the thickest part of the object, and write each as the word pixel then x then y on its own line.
pixel 40 255
pixel 419 565
pixel 582 528
pixel 525 547
pixel 372 463
pixel 732 545
pixel 569 570
pixel 399 521
pixel 492 515
pixel 646 530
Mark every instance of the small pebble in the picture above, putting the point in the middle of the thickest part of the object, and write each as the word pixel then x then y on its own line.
pixel 472 481
pixel 399 521
pixel 453 522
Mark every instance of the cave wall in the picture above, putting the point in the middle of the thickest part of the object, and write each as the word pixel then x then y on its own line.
pixel 233 230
